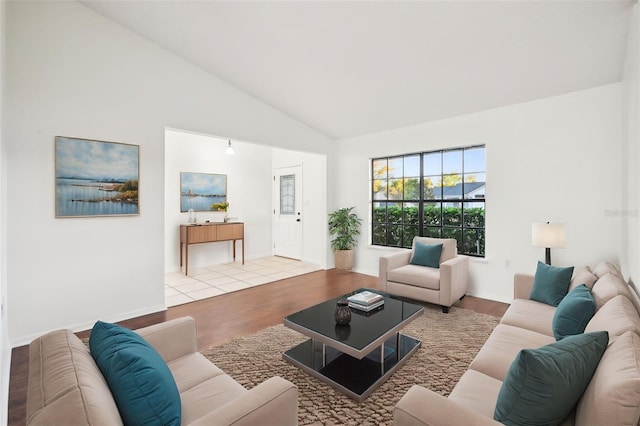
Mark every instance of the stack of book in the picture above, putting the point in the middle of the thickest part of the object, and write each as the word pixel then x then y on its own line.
pixel 365 301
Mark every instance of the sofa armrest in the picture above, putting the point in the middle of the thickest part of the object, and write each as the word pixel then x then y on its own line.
pixel 172 339
pixel 454 279
pixel 421 407
pixel 522 286
pixel 391 261
pixel 272 402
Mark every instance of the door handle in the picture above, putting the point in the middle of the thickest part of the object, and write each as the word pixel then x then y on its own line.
pixel 297 220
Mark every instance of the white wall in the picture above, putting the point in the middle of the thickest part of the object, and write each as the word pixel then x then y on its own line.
pixel 630 212
pixel 314 201
pixel 248 193
pixel 72 72
pixel 556 159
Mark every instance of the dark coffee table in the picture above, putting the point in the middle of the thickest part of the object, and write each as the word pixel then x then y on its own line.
pixel 357 358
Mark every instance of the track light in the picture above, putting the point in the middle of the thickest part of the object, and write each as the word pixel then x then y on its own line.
pixel 229 150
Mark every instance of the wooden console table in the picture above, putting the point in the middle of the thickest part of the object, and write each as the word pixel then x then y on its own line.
pixel 209 233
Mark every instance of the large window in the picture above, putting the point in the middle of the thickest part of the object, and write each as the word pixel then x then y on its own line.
pixel 433 194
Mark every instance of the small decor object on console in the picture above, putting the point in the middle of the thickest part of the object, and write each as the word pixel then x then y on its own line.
pixel 342 312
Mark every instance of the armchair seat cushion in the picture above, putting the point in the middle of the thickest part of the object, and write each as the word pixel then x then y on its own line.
pixel 416 275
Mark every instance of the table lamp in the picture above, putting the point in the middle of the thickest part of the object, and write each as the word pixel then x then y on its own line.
pixel 548 235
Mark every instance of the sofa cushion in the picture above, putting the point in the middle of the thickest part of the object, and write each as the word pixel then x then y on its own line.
pixel 530 315
pixel 477 391
pixel 613 395
pixel 583 276
pixel 426 255
pixel 617 316
pixel 419 276
pixel 607 287
pixel 66 386
pixel 550 283
pixel 573 313
pixel 190 370
pixel 502 346
pixel 544 384
pixel 139 379
pixel 603 268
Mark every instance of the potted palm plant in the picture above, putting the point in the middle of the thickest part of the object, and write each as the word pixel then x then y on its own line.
pixel 344 225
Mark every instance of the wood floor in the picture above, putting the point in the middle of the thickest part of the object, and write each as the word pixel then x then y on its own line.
pixel 224 317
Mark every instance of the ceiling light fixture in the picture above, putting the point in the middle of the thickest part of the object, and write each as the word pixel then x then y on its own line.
pixel 229 150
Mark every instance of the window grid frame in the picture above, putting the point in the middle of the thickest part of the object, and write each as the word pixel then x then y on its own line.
pixel 459 232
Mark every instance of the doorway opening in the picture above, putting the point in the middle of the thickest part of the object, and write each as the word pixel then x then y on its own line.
pixel 250 194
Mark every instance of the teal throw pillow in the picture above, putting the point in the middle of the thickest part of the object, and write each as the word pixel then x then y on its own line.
pixel 140 381
pixel 550 283
pixel 427 255
pixel 544 384
pixel 573 313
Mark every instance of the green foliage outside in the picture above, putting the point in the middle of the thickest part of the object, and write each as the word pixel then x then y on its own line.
pixel 395 226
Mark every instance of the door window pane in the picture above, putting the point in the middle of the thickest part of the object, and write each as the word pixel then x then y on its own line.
pixel 287 194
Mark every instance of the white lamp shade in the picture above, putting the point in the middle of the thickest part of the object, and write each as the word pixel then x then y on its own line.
pixel 550 235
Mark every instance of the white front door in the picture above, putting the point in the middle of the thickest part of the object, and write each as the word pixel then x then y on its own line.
pixel 287 212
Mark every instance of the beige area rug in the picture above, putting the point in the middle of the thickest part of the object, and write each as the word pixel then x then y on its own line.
pixel 449 344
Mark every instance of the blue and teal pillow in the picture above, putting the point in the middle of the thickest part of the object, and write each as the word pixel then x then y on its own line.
pixel 543 385
pixel 140 381
pixel 550 283
pixel 573 313
pixel 426 255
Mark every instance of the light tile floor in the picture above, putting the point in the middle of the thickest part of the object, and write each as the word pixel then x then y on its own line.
pixel 227 277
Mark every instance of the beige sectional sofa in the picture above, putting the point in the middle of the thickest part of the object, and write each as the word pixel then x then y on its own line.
pixel 613 394
pixel 66 386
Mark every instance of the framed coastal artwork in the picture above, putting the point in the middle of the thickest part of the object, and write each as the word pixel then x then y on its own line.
pixel 198 191
pixel 96 178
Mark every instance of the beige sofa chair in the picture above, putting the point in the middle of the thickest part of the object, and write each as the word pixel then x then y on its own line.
pixel 442 286
pixel 66 387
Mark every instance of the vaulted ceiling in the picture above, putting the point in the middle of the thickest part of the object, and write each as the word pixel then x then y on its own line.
pixel 348 68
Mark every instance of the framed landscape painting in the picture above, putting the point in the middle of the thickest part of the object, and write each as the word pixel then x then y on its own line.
pixel 198 191
pixel 96 178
